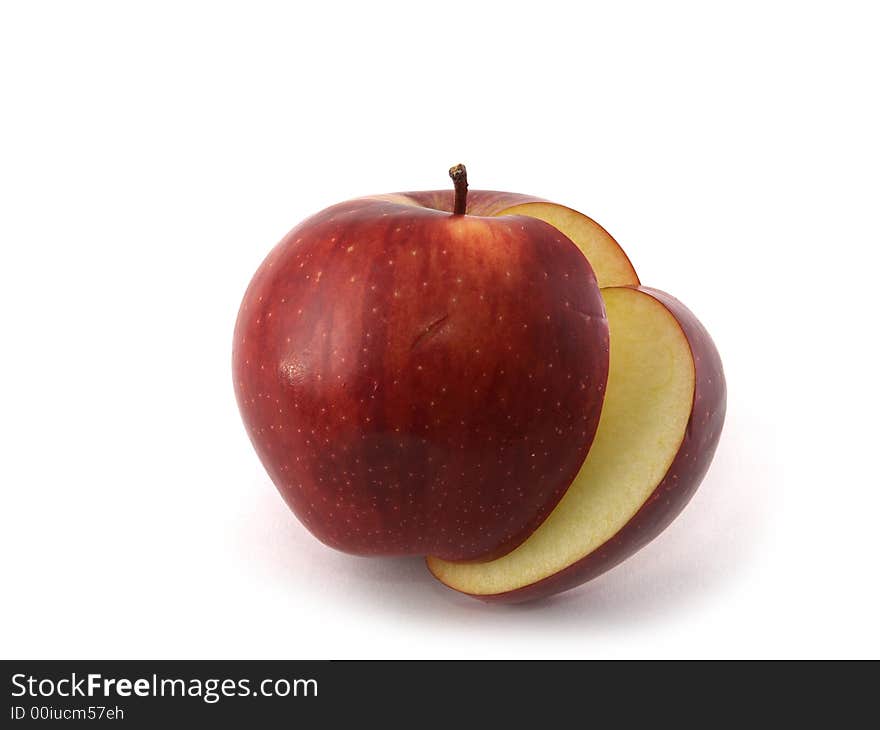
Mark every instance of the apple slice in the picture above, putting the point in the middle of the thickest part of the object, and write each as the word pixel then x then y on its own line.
pixel 660 424
pixel 610 264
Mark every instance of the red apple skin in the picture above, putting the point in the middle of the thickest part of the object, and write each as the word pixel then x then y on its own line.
pixel 678 485
pixel 421 383
pixel 480 202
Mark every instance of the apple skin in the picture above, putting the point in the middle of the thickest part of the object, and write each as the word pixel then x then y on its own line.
pixel 421 383
pixel 479 202
pixel 495 202
pixel 678 485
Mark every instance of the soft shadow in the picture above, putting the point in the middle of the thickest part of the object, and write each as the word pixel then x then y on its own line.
pixel 718 534
pixel 284 551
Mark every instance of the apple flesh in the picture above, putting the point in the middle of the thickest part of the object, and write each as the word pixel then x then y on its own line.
pixel 660 424
pixel 417 382
pixel 610 264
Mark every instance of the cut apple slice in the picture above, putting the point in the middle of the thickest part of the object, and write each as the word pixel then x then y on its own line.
pixel 660 423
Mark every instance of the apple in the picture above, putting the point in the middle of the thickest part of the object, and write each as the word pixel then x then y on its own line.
pixel 661 420
pixel 429 373
pixel 425 379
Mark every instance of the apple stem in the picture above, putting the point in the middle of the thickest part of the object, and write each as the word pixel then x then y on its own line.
pixel 458 173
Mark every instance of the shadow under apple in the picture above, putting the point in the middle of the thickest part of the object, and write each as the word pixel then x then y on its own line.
pixel 705 548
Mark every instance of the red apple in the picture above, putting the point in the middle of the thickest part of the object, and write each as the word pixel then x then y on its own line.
pixel 661 420
pixel 420 381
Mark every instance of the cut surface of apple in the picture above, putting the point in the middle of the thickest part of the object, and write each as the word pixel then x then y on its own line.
pixel 609 261
pixel 642 444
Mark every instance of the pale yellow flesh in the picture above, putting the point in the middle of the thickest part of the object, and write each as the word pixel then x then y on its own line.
pixel 647 405
pixel 609 262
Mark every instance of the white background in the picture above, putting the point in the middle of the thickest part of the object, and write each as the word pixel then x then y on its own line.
pixel 152 153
